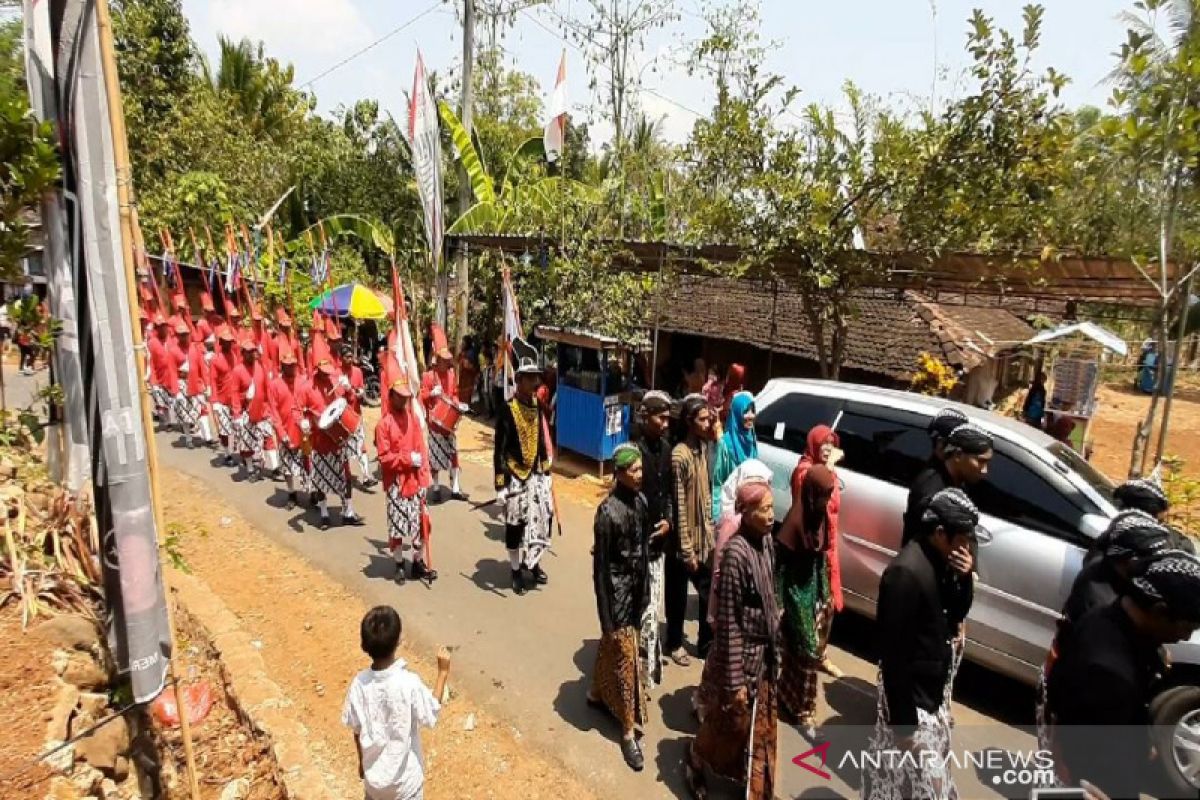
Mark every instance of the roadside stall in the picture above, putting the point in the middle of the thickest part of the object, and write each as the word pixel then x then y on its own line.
pixel 1075 352
pixel 593 398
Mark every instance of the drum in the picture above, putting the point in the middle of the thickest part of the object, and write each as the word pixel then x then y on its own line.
pixel 445 415
pixel 339 421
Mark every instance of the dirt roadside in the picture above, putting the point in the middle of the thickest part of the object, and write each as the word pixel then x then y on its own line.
pixel 311 650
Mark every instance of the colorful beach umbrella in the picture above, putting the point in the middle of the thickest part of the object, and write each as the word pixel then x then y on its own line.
pixel 353 300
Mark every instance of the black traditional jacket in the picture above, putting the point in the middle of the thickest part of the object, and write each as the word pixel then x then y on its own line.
pixel 620 561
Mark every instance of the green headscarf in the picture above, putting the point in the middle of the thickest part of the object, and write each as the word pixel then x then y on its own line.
pixel 626 455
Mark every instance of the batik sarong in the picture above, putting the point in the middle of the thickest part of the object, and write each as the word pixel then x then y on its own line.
pixel 900 774
pixel 529 503
pixel 330 475
pixel 443 450
pixel 649 637
pixel 615 678
pixel 404 524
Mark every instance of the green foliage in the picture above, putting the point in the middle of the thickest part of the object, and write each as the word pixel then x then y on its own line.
pixel 28 158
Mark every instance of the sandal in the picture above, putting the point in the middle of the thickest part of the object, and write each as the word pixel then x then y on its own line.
pixel 680 658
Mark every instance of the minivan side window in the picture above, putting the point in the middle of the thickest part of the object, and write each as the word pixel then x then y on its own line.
pixel 1017 493
pixel 787 421
pixel 884 443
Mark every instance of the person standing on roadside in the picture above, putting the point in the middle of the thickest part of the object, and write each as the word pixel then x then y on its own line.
pixel 655 447
pixel 692 540
pixel 386 707
pixel 960 460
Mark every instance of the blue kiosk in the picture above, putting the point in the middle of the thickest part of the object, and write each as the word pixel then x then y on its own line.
pixel 592 400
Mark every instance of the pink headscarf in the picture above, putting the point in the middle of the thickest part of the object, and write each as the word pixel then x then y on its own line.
pixel 749 495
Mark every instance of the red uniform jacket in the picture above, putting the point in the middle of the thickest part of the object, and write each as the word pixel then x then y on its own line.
pixel 204 329
pixel 397 437
pixel 159 363
pixel 288 402
pixel 433 378
pixel 256 406
pixel 198 377
pixel 354 396
pixel 176 358
pixel 221 374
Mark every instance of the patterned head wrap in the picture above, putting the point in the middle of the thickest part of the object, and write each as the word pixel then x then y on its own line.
pixel 750 494
pixel 655 402
pixel 1135 535
pixel 626 455
pixel 1143 495
pixel 945 421
pixel 693 404
pixel 953 510
pixel 968 438
pixel 1173 578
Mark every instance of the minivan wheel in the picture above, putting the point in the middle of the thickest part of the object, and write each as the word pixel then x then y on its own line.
pixel 1176 717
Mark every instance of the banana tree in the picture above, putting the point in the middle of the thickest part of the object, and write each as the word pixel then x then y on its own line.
pixel 522 195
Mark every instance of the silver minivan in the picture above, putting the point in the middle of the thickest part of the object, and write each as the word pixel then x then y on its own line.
pixel 1042 505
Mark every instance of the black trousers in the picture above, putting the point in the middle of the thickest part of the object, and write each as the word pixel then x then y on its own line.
pixel 675 587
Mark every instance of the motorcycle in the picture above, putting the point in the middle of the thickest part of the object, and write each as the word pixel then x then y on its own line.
pixel 371 388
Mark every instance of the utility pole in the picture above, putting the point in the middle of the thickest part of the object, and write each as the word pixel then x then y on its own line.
pixel 463 290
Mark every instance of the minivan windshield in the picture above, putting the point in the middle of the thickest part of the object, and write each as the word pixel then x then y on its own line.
pixel 1094 478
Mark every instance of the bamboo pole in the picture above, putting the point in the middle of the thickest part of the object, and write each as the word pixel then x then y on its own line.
pixel 131 237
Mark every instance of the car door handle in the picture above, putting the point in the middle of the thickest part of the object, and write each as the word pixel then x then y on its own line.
pixel 983 535
pixel 841 485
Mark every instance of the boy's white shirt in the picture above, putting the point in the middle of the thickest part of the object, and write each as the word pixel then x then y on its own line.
pixel 386 710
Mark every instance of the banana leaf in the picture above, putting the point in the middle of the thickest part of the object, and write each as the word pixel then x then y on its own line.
pixel 481 182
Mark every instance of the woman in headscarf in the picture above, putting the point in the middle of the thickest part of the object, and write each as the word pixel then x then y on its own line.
pixel 803 584
pixel 737 695
pixel 735 381
pixel 620 572
pixel 737 444
pixel 821 445
pixel 750 471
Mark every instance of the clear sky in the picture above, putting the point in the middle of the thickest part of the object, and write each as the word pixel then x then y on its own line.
pixel 888 47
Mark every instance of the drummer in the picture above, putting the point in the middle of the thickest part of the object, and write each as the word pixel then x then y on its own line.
pixel 331 471
pixel 354 387
pixel 440 385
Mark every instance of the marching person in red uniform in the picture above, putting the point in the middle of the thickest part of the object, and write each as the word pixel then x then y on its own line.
pixel 285 339
pixel 206 326
pixel 354 387
pixel 266 344
pixel 192 405
pixel 224 361
pixel 290 395
pixel 440 385
pixel 331 471
pixel 253 432
pixel 176 370
pixel 160 361
pixel 404 461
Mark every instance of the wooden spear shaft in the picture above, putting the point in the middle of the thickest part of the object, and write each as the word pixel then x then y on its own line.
pixel 130 229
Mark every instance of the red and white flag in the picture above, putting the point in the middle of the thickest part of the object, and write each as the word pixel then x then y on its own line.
pixel 512 330
pixel 422 134
pixel 556 126
pixel 402 356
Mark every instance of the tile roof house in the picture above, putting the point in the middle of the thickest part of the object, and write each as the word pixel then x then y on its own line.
pixel 889 330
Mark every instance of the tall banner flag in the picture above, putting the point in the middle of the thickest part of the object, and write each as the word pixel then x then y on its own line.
pixel 556 126
pixel 69 458
pixel 133 582
pixel 422 134
pixel 512 330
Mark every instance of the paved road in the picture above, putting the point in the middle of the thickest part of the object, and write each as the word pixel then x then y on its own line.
pixel 528 659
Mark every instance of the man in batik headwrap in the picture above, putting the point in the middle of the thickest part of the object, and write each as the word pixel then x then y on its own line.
pixel 1131 538
pixel 958 463
pixel 1144 495
pixel 655 447
pixel 924 595
pixel 620 573
pixel 1109 666
pixel 522 467
pixel 692 539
